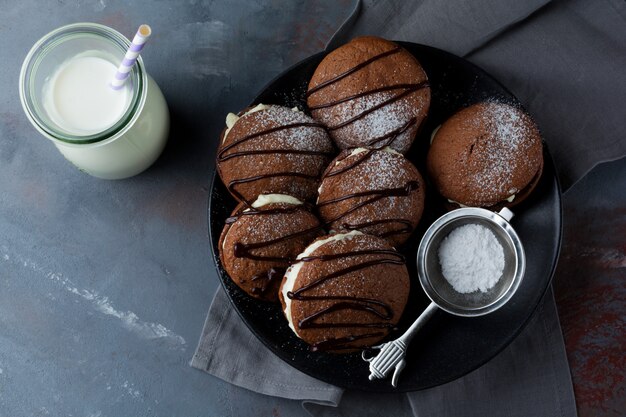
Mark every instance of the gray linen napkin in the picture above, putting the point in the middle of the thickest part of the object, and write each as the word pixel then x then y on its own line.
pixel 565 62
pixel 458 26
pixel 230 351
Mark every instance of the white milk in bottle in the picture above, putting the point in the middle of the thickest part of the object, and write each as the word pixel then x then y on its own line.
pixel 78 97
pixel 65 91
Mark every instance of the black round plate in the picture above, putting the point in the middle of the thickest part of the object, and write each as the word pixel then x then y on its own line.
pixel 448 347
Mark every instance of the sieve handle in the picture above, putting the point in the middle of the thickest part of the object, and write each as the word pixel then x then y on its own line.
pixel 419 323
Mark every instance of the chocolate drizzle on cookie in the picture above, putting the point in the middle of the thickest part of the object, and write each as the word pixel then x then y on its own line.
pixel 231 185
pixel 222 156
pixel 374 195
pixel 264 284
pixel 341 343
pixel 380 142
pixel 244 250
pixel 256 212
pixel 354 69
pixel 381 310
pixel 407 89
pixel 251 136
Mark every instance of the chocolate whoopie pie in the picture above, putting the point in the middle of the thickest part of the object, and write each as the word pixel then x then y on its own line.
pixel 370 93
pixel 487 155
pixel 346 292
pixel 378 192
pixel 258 243
pixel 272 149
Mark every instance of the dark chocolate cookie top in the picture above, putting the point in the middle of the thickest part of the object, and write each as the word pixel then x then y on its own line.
pixel 378 192
pixel 272 149
pixel 370 92
pixel 486 154
pixel 347 291
pixel 258 243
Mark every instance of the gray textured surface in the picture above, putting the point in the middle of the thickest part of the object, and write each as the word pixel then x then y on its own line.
pixel 104 286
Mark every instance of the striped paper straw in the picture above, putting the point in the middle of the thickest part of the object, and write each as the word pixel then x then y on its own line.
pixel 142 35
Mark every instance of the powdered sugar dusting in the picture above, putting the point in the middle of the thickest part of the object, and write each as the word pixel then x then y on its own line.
pixel 292 273
pixel 298 138
pixel 388 118
pixel 363 282
pixel 504 150
pixel 471 258
pixel 381 171
pixel 342 285
pixel 250 229
pixel 244 155
pixel 369 90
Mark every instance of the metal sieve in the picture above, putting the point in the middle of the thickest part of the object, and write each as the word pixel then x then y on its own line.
pixel 476 303
pixel 439 290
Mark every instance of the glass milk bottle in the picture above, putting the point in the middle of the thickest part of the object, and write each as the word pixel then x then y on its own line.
pixel 65 92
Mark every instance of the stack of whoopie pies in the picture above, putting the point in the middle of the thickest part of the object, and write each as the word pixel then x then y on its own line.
pixel 316 228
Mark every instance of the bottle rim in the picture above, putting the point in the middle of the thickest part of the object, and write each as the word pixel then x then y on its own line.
pixel 53 39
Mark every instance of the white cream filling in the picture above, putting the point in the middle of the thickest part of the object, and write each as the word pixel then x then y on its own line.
pixel 265 199
pixel 432 135
pixel 509 199
pixel 456 202
pixel 232 118
pixel 357 151
pixel 294 270
pixel 390 150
